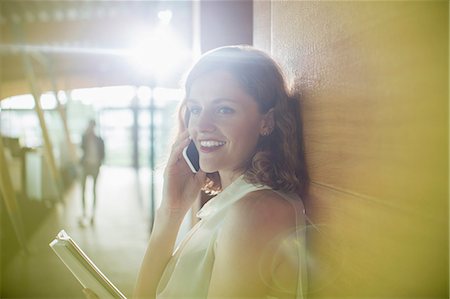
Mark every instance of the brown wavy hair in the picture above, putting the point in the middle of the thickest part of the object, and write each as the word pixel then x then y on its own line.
pixel 279 160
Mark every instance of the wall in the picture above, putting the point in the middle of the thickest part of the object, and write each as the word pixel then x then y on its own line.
pixel 373 77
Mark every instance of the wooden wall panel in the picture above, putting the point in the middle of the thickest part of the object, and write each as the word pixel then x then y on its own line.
pixel 262 23
pixel 374 83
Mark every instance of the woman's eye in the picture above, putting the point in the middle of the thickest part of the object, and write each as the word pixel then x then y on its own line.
pixel 195 110
pixel 225 110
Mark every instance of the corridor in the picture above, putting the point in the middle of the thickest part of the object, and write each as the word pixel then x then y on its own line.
pixel 115 243
pixel 370 78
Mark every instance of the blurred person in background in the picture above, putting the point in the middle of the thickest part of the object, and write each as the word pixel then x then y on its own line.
pixel 93 155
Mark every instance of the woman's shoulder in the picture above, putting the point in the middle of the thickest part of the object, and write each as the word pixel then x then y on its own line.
pixel 266 212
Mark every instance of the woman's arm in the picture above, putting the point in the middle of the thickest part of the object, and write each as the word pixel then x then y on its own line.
pixel 181 188
pixel 158 253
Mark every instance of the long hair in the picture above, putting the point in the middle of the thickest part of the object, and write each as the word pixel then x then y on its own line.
pixel 279 158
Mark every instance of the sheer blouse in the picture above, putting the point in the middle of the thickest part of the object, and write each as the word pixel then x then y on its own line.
pixel 188 273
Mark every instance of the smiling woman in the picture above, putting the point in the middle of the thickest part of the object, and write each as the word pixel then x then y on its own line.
pixel 225 124
pixel 250 240
pixel 244 73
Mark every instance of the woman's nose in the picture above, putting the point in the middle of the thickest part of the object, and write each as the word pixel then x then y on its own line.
pixel 204 122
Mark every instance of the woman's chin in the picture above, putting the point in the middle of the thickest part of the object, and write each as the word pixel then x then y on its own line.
pixel 208 168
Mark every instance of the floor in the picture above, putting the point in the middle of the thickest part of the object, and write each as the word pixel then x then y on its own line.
pixel 115 243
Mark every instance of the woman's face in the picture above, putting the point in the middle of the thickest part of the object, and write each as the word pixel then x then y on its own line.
pixel 225 123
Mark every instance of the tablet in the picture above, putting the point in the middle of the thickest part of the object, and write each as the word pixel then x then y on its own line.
pixel 81 266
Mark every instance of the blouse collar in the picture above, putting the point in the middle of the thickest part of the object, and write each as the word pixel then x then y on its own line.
pixel 235 191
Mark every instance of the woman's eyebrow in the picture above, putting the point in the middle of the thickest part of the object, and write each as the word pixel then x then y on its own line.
pixel 219 100
pixel 214 101
pixel 191 101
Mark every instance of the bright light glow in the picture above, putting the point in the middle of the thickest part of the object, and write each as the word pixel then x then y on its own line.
pixel 113 96
pixel 118 119
pixel 48 101
pixel 156 53
pixel 164 95
pixel 62 97
pixel 24 101
pixel 165 16
pixel 144 93
pixel 145 122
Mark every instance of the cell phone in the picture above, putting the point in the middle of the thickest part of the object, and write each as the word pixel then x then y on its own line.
pixel 190 154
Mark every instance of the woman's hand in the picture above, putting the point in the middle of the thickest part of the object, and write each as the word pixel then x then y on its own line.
pixel 181 185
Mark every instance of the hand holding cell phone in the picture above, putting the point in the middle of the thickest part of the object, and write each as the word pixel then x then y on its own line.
pixel 181 184
pixel 190 154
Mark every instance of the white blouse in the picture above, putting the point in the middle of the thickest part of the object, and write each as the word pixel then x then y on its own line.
pixel 188 273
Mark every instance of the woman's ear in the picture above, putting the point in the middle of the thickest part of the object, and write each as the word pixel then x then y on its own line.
pixel 267 123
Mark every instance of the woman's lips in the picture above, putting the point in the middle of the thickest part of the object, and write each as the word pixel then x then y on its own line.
pixel 208 146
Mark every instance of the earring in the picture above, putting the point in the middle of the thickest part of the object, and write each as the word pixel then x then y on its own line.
pixel 266 132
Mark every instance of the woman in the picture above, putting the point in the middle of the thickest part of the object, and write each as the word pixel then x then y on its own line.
pixel 249 242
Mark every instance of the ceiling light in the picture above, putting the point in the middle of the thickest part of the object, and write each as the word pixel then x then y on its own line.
pixel 165 16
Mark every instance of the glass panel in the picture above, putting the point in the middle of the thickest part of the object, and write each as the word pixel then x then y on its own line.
pixel 116 131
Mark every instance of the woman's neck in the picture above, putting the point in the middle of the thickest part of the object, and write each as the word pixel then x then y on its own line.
pixel 226 178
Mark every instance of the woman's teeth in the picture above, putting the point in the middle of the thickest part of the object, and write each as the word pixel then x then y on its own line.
pixel 211 143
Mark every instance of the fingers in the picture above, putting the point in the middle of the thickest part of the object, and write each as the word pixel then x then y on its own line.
pixel 201 176
pixel 181 141
pixel 182 135
pixel 177 148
